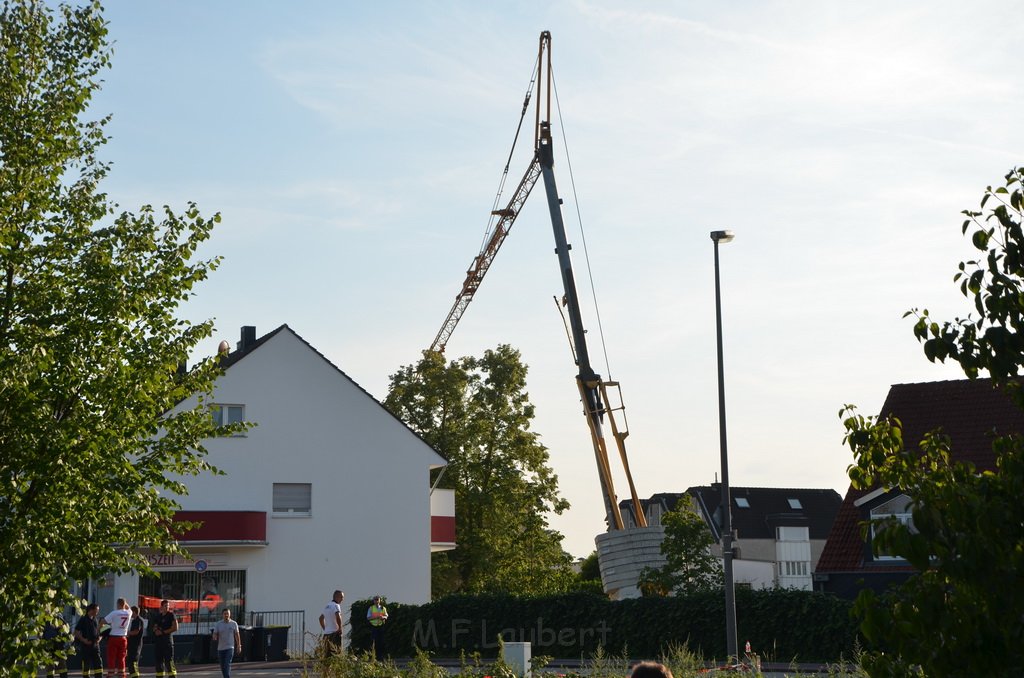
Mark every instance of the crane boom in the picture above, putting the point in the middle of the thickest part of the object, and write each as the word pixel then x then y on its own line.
pixel 482 262
pixel 593 389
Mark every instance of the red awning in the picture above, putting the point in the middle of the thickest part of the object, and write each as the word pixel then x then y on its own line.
pixel 224 527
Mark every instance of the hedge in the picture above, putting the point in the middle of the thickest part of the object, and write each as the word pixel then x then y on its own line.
pixel 781 625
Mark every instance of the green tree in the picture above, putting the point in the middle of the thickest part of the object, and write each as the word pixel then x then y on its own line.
pixel 89 342
pixel 590 567
pixel 961 613
pixel 477 413
pixel 690 567
pixel 588 579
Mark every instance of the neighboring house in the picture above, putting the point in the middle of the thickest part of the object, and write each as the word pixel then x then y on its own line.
pixel 780 531
pixel 970 412
pixel 328 491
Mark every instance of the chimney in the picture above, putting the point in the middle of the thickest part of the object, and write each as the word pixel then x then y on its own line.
pixel 248 337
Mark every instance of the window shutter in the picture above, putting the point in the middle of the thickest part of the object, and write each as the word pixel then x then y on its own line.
pixel 293 497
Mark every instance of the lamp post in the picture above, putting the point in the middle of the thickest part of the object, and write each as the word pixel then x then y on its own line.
pixel 730 592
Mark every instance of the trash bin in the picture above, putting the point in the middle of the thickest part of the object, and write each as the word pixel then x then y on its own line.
pixel 277 643
pixel 201 652
pixel 245 632
pixel 257 651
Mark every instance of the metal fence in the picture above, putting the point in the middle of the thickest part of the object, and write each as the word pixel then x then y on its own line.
pixel 295 620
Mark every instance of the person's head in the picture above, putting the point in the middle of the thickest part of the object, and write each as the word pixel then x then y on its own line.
pixel 225 614
pixel 122 604
pixel 377 600
pixel 92 610
pixel 165 605
pixel 651 670
pixel 135 610
pixel 338 596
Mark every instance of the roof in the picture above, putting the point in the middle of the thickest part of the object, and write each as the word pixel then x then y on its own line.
pixel 767 508
pixel 969 411
pixel 250 344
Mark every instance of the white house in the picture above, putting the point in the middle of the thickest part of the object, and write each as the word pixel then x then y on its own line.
pixel 328 491
pixel 780 532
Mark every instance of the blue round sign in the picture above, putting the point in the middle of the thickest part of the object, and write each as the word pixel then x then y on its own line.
pixel 201 565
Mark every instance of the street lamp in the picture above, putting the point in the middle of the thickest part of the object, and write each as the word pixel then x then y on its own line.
pixel 730 593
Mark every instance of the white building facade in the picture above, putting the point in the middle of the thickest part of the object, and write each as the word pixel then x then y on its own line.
pixel 327 491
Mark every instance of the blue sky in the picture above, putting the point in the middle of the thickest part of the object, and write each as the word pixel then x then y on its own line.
pixel 354 150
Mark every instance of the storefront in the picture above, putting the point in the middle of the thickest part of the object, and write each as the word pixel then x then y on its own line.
pixel 194 596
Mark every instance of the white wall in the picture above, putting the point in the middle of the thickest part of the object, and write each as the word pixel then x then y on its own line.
pixel 759 574
pixel 369 532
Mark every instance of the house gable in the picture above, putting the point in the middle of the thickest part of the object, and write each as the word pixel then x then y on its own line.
pixel 249 345
pixel 971 412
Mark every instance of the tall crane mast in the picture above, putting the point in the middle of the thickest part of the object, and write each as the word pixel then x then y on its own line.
pixel 593 389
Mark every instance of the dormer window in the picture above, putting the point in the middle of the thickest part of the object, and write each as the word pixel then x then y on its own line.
pixel 899 508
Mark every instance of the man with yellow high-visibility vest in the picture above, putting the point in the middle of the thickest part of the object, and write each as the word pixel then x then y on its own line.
pixel 377 615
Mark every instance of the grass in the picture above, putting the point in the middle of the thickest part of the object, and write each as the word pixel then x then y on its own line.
pixel 680 659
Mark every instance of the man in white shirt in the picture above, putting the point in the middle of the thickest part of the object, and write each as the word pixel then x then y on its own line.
pixel 330 622
pixel 229 641
pixel 119 620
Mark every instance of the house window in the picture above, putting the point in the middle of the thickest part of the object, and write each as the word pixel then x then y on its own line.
pixel 742 502
pixel 293 499
pixel 795 503
pixel 228 414
pixel 794 568
pixel 897 507
pixel 790 533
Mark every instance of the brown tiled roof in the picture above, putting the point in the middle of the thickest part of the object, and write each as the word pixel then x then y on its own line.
pixel 969 411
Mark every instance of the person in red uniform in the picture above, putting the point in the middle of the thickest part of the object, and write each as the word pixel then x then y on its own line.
pixel 119 619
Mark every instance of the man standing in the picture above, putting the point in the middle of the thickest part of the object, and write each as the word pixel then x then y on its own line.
pixel 164 625
pixel 56 634
pixel 87 636
pixel 330 622
pixel 119 619
pixel 135 630
pixel 229 641
pixel 377 615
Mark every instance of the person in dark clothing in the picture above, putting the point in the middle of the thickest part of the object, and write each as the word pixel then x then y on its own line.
pixel 87 637
pixel 163 626
pixel 56 634
pixel 135 632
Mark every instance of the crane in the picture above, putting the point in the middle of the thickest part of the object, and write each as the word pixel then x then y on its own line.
pixel 594 391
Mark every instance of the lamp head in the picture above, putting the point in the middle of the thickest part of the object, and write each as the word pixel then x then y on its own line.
pixel 722 236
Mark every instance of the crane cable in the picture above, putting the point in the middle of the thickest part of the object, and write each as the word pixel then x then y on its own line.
pixel 515 141
pixel 579 219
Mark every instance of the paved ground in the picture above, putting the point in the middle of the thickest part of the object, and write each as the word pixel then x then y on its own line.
pixel 241 669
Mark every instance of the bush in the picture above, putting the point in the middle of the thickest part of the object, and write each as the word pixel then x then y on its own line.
pixel 782 624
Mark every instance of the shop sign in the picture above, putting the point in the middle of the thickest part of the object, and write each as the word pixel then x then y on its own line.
pixel 170 561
